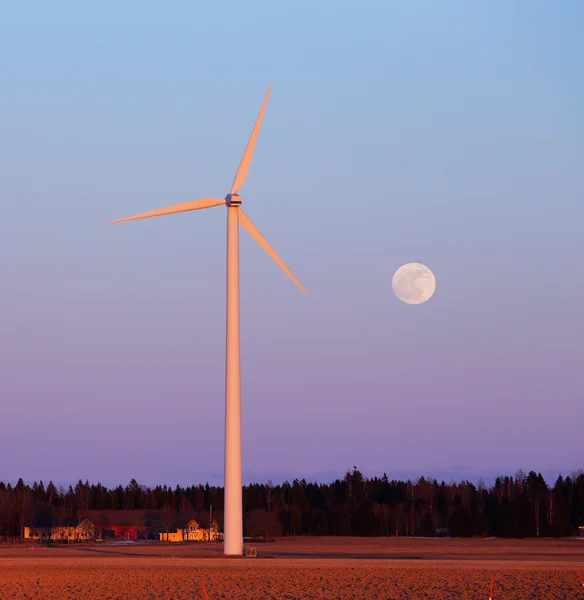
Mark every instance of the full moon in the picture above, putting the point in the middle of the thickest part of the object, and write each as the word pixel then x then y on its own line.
pixel 413 283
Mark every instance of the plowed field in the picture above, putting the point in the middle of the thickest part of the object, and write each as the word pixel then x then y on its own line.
pixel 299 569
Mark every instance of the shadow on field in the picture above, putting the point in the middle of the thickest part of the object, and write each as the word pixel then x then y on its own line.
pixel 353 556
pixel 112 551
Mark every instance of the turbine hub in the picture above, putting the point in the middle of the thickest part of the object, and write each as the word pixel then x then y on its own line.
pixel 233 200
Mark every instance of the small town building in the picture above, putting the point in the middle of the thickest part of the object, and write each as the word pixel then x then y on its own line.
pixel 124 524
pixel 190 531
pixel 60 530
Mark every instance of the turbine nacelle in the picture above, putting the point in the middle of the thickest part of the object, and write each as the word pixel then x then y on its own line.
pixel 233 200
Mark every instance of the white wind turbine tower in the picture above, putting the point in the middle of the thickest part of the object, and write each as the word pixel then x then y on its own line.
pixel 233 521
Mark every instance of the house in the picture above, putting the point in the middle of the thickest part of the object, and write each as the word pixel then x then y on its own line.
pixel 124 524
pixel 60 530
pixel 189 531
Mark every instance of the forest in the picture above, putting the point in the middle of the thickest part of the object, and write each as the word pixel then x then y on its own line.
pixel 518 506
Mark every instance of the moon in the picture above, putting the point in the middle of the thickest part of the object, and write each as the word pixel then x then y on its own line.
pixel 413 283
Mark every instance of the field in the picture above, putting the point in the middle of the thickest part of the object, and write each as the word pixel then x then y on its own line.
pixel 299 568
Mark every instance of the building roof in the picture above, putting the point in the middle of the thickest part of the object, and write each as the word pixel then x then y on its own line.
pixel 184 523
pixel 142 518
pixel 57 522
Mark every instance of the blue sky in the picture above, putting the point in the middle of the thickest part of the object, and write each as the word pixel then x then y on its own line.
pixel 448 133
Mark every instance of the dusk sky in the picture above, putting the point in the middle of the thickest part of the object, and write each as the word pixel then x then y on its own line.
pixel 446 133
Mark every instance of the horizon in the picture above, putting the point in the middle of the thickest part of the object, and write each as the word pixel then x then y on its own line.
pixel 216 479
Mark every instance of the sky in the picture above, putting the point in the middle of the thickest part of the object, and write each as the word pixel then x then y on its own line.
pixel 449 134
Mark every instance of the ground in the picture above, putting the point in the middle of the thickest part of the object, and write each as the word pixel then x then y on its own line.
pixel 299 568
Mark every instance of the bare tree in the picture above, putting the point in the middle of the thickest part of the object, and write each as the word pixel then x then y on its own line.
pixel 399 517
pixel 24 506
pixel 6 512
pixel 270 494
pixel 262 524
pixel 520 479
pixel 168 517
pixel 381 512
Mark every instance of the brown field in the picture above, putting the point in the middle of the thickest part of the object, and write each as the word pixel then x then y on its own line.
pixel 299 568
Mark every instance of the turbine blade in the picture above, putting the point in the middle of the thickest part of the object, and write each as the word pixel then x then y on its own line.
pixel 261 240
pixel 176 208
pixel 241 174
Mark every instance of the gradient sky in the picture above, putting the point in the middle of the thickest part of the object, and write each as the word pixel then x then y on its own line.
pixel 450 134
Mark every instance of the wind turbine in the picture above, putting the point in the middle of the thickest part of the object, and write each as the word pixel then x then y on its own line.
pixel 233 518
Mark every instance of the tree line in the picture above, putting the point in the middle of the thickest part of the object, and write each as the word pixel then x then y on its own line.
pixel 519 506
